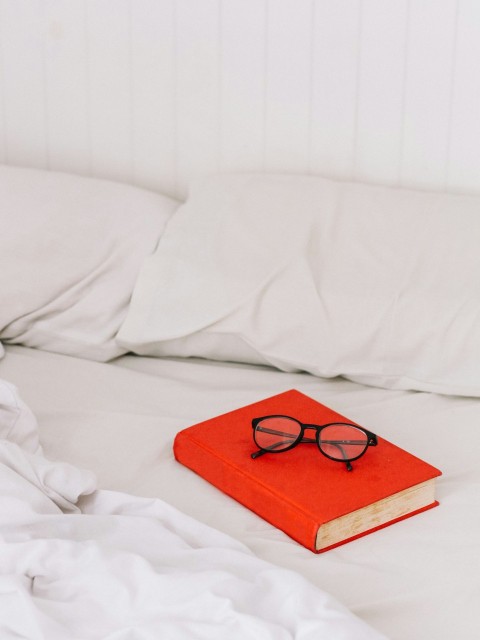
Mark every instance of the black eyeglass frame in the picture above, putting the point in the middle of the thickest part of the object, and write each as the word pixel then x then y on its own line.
pixel 371 438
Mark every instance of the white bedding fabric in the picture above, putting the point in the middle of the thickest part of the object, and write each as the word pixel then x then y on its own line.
pixel 415 580
pixel 113 566
pixel 71 248
pixel 378 284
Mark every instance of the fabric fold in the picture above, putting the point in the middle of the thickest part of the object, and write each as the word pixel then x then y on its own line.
pixel 231 247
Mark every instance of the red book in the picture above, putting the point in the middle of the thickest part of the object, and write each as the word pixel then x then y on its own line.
pixel 313 499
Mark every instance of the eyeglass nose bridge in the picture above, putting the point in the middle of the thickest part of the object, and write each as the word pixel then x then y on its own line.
pixel 315 427
pixel 312 427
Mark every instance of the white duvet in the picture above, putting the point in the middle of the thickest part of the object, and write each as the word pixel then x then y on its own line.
pixel 80 563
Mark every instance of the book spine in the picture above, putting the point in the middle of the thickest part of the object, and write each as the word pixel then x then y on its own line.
pixel 247 490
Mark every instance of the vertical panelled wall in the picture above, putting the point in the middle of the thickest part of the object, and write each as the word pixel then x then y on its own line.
pixel 156 92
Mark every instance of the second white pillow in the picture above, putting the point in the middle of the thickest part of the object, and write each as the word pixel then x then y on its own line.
pixel 376 284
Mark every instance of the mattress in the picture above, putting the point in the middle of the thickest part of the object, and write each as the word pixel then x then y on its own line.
pixel 414 580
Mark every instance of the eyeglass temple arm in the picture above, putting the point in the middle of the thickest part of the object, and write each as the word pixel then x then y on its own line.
pixel 342 450
pixel 260 452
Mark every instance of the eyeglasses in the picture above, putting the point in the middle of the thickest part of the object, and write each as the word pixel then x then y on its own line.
pixel 339 441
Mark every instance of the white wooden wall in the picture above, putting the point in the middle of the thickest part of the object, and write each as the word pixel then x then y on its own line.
pixel 154 92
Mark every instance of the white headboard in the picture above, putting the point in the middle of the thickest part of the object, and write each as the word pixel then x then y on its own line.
pixel 154 92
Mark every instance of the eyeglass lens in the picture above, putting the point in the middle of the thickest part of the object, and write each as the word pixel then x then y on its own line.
pixel 342 442
pixel 276 433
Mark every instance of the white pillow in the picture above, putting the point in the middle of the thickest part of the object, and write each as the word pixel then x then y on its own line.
pixel 377 284
pixel 70 252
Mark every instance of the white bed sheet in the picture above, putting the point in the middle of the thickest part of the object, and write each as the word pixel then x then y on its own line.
pixel 82 563
pixel 418 579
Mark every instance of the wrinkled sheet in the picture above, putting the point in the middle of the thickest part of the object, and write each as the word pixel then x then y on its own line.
pixel 80 562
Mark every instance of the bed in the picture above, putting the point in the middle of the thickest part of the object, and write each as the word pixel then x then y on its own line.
pixel 115 349
pixel 203 204
pixel 416 579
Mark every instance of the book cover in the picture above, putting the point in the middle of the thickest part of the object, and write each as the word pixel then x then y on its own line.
pixel 313 499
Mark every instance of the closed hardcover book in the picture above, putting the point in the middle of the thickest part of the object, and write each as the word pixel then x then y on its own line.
pixel 314 500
